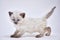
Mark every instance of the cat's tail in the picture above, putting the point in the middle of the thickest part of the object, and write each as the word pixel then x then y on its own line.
pixel 50 13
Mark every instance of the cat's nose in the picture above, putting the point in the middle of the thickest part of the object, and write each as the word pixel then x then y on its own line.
pixel 15 22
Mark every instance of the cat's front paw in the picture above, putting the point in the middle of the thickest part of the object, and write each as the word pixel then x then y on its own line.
pixel 12 35
pixel 15 36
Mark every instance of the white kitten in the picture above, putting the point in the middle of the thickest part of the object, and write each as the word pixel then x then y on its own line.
pixel 30 24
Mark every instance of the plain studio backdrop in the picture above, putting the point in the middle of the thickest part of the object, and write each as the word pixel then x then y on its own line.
pixel 32 8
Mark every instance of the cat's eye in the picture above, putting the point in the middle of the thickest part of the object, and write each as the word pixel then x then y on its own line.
pixel 18 20
pixel 13 19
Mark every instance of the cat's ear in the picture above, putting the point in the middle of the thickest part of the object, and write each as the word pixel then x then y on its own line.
pixel 10 13
pixel 22 15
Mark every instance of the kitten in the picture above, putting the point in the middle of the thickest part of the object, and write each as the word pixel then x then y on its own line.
pixel 30 24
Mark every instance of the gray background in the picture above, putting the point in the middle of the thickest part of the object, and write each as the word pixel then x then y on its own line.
pixel 32 8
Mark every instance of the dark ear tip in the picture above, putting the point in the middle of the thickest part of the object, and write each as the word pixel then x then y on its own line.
pixel 10 13
pixel 22 14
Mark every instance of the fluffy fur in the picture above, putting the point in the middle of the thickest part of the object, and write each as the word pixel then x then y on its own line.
pixel 30 24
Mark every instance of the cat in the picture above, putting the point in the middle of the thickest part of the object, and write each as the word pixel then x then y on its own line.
pixel 30 24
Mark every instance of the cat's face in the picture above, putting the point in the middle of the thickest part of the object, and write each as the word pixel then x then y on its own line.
pixel 16 17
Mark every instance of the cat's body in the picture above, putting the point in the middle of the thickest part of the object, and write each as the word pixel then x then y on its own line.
pixel 30 24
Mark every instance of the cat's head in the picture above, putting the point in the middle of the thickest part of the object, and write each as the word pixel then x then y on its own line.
pixel 16 17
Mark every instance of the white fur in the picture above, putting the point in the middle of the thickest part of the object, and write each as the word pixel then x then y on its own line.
pixel 31 25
